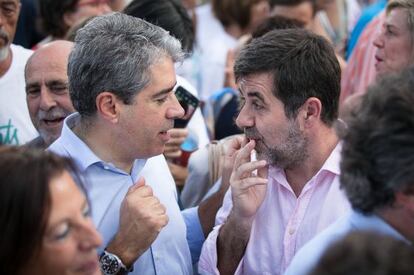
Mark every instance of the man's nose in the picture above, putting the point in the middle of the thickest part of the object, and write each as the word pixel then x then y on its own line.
pixel 175 110
pixel 47 100
pixel 244 119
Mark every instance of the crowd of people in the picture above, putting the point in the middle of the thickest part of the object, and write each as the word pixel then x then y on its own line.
pixel 206 137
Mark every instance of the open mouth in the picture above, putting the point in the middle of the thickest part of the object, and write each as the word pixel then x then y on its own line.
pixel 378 59
pixel 53 122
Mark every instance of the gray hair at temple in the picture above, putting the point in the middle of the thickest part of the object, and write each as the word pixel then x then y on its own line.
pixel 114 53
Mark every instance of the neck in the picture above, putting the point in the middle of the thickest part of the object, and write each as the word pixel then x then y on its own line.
pixel 5 60
pixel 99 138
pixel 320 147
pixel 399 219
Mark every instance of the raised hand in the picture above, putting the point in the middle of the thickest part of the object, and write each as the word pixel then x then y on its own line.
pixel 248 187
pixel 172 147
pixel 142 217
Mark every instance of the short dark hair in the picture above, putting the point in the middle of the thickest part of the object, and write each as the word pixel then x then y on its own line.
pixel 302 64
pixel 25 202
pixel 291 3
pixel 114 53
pixel 276 22
pixel 378 148
pixel 361 253
pixel 233 11
pixel 167 14
pixel 51 16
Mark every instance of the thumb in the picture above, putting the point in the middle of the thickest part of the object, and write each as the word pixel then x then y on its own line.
pixel 138 184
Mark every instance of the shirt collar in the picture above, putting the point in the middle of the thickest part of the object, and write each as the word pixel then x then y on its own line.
pixel 84 156
pixel 332 162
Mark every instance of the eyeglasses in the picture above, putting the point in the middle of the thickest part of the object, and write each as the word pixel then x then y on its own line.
pixel 92 3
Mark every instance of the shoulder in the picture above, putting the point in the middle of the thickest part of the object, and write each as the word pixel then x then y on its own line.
pixel 309 255
pixel 20 54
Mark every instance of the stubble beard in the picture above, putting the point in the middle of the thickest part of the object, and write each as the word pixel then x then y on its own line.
pixel 290 153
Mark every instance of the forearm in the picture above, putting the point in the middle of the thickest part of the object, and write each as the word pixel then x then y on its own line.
pixel 231 244
pixel 124 251
pixel 207 211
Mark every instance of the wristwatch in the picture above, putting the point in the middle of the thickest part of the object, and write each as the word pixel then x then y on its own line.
pixel 112 264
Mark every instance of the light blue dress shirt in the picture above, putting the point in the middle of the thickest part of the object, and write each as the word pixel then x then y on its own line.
pixel 107 186
pixel 308 257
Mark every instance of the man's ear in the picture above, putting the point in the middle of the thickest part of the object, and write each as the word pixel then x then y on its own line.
pixel 107 105
pixel 310 112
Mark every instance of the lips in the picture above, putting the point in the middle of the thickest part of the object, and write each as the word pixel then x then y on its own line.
pixel 53 122
pixel 378 59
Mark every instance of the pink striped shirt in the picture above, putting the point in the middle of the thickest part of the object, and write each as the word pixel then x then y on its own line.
pixel 360 71
pixel 284 222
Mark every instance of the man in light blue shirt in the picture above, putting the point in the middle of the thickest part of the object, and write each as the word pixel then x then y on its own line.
pixel 121 80
pixel 377 170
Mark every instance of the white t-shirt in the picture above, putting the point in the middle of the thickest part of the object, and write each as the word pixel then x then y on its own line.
pixel 16 128
pixel 213 43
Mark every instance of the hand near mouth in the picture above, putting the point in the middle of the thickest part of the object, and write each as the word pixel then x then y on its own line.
pixel 248 188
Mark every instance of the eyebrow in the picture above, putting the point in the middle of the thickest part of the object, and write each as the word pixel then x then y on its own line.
pixel 256 95
pixel 56 82
pixel 48 84
pixel 164 91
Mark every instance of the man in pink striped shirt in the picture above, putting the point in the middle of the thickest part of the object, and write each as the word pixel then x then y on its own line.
pixel 289 82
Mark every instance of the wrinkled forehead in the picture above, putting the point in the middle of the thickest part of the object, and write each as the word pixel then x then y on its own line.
pixel 257 83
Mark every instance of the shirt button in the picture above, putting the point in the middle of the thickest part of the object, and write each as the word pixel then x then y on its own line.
pixel 291 231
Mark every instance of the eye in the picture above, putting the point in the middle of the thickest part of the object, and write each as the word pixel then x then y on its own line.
pixel 59 88
pixel 257 105
pixel 8 9
pixel 161 100
pixel 33 92
pixel 86 212
pixel 61 231
pixel 389 31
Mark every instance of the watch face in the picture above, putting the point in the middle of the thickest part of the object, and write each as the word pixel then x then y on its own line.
pixel 109 264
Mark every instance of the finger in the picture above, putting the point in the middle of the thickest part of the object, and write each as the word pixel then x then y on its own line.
pixel 178 133
pixel 250 182
pixel 175 141
pixel 164 221
pixel 159 209
pixel 230 146
pixel 140 182
pixel 173 154
pixel 247 169
pixel 143 192
pixel 243 155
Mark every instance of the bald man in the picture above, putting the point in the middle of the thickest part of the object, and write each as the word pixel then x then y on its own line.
pixel 47 91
